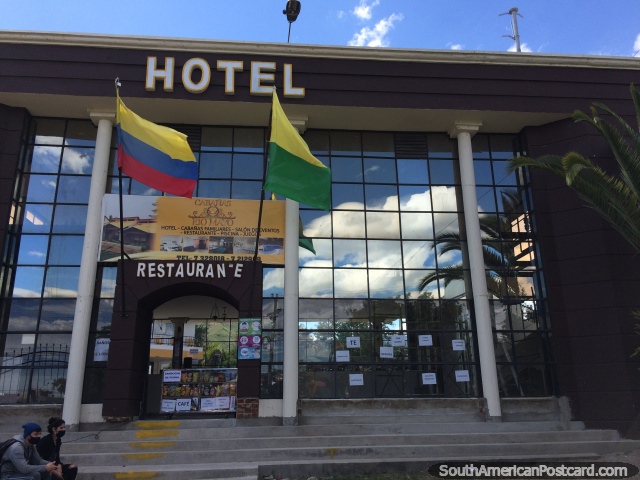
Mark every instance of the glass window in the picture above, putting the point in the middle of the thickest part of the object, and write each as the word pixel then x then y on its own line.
pixel 246 190
pixel 347 196
pixel 49 131
pixel 415 198
pixel 273 282
pixel 379 170
pixel 81 132
pixel 350 283
pixel 348 224
pixel 216 138
pixel 349 253
pixel 214 189
pixel 379 144
pixel 384 254
pixel 248 166
pixel 42 188
pixel 413 172
pixel 28 282
pixel 105 315
pixel 485 199
pixel 57 315
pixel 441 146
pixel 502 175
pixel 480 146
pixel 383 225
pixel 315 282
pixel 215 165
pixel 381 197
pixel 441 172
pixel 248 139
pixel 272 313
pixel 482 172
pixel 416 254
pixel 346 169
pixel 503 146
pixel 137 188
pixel 45 159
pixel 37 218
pixel 66 250
pixel 78 161
pixel 62 282
pixel 74 189
pixel 33 250
pixel 386 283
pixel 24 315
pixel 416 225
pixel 315 223
pixel 446 199
pixel 70 219
pixel 322 257
pixel 345 143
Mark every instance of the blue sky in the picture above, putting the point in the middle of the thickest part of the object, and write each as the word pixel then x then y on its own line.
pixel 548 26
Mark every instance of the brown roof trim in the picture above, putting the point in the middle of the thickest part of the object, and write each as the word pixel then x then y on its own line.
pixel 347 53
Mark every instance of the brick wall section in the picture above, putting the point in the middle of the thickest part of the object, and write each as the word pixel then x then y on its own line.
pixel 247 407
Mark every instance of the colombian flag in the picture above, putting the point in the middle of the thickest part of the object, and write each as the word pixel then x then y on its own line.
pixel 293 171
pixel 156 156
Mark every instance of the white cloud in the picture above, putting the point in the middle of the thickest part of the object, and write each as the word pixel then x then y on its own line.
pixel 36 253
pixel 363 11
pixel 523 47
pixel 636 44
pixel 76 162
pixel 354 254
pixel 457 46
pixel 341 14
pixel 375 37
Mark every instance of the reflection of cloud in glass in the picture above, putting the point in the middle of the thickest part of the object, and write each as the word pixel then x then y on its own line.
pixel 25 293
pixel 36 254
pixel 356 281
pixel 76 162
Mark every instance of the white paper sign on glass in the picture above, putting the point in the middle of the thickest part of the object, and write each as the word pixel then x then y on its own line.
pixel 386 352
pixel 462 375
pixel 168 406
pixel 342 356
pixel 429 378
pixel 356 379
pixel 101 351
pixel 223 403
pixel 398 340
pixel 458 344
pixel 207 404
pixel 425 341
pixel 183 405
pixel 353 342
pixel 193 351
pixel 170 376
pixel 233 404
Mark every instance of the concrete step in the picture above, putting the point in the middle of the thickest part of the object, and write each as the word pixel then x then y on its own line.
pixel 331 451
pixel 204 471
pixel 224 442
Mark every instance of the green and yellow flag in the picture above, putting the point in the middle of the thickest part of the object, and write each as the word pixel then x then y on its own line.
pixel 293 171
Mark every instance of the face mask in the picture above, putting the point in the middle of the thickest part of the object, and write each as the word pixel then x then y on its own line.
pixel 60 433
pixel 34 440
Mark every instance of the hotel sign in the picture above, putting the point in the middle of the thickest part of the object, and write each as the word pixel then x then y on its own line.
pixel 262 76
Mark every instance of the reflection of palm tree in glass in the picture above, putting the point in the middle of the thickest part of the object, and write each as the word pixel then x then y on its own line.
pixel 500 259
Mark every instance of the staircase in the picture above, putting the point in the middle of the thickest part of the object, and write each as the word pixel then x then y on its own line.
pixel 334 438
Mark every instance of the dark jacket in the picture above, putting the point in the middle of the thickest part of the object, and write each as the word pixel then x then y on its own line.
pixel 47 450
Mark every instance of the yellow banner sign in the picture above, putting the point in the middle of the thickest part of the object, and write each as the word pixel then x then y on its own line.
pixel 174 228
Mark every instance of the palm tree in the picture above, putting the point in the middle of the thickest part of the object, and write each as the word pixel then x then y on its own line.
pixel 614 198
pixel 499 261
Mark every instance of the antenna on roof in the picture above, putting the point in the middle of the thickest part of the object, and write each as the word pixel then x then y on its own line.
pixel 514 26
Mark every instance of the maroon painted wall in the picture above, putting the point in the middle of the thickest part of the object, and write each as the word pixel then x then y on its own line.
pixel 593 284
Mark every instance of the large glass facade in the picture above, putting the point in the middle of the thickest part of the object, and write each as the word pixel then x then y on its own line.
pixel 385 305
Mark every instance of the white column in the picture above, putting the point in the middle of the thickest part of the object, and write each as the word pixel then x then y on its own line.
pixel 463 132
pixel 291 290
pixel 88 267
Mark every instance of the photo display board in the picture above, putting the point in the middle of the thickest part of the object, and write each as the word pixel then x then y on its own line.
pixel 249 339
pixel 199 390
